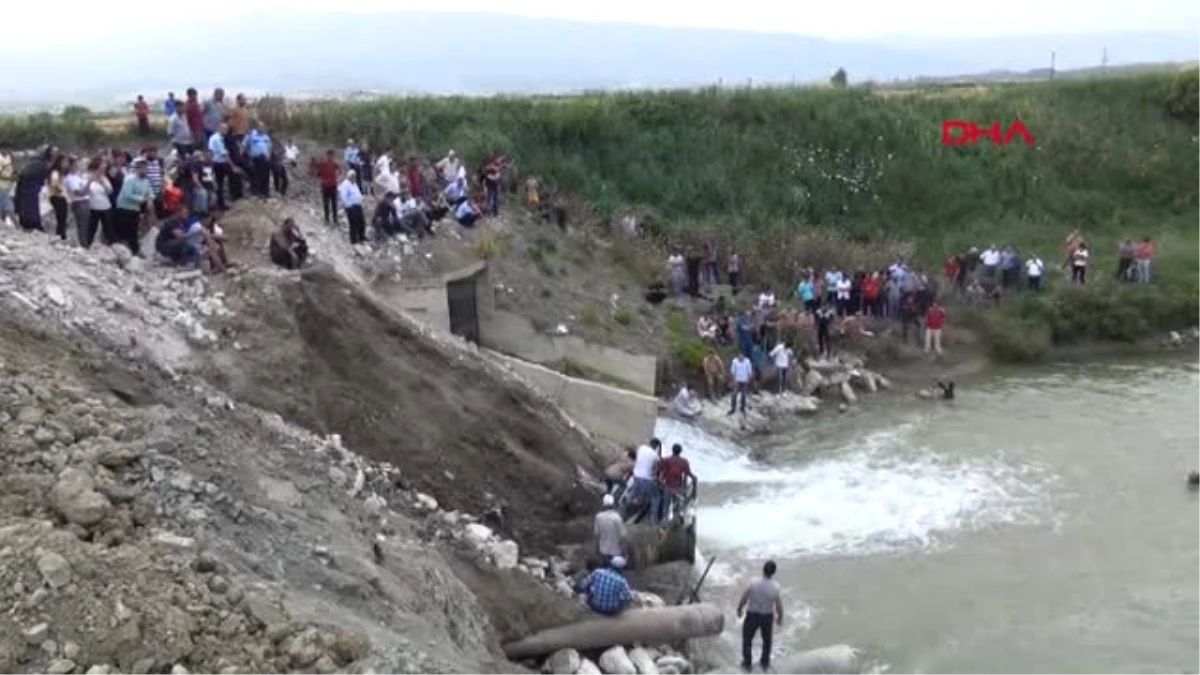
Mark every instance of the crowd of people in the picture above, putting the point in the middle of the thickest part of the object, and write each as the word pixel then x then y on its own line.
pixel 219 153
pixel 832 304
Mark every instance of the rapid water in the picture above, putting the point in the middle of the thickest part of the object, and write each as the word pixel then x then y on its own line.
pixel 1040 523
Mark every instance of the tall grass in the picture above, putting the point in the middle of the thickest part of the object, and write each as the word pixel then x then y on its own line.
pixel 796 177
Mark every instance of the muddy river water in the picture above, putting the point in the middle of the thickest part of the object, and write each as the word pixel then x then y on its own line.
pixel 1039 523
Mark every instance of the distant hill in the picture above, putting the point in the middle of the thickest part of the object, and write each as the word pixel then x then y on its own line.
pixel 411 52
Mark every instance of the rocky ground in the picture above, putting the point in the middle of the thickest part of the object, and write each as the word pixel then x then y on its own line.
pixel 266 471
pixel 839 381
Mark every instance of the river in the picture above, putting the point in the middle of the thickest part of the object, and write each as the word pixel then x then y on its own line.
pixel 1039 523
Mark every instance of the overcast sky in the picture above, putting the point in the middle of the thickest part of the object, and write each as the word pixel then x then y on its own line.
pixel 88 21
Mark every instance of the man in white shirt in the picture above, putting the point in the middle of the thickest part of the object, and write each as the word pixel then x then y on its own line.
pixel 832 277
pixel 741 372
pixel 609 530
pixel 990 259
pixel 766 299
pixel 645 478
pixel 782 354
pixel 1034 268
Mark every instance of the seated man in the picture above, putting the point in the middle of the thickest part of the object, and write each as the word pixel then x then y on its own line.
pixel 384 219
pixel 412 220
pixel 684 404
pixel 214 244
pixel 706 328
pixel 606 589
pixel 466 213
pixel 175 241
pixel 456 191
pixel 288 246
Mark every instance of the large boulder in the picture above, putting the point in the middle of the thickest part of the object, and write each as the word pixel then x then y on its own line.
pixel 75 498
pixel 563 662
pixel 641 659
pixel 615 661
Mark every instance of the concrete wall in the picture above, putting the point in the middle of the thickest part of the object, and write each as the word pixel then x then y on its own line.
pixel 427 299
pixel 512 334
pixel 618 415
pixel 515 335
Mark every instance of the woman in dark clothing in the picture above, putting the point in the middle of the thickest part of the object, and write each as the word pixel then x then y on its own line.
pixel 56 186
pixel 692 264
pixel 29 186
pixel 289 250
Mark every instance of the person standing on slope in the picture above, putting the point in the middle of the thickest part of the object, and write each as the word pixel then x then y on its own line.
pixel 762 605
pixel 609 531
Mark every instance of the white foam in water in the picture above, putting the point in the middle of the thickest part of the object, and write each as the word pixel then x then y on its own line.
pixel 871 500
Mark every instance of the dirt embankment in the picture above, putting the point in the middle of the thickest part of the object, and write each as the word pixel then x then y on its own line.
pixel 330 357
pixel 154 522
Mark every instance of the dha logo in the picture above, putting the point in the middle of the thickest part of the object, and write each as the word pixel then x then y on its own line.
pixel 961 132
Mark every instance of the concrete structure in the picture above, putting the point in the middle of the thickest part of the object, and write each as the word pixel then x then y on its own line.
pixel 464 303
pixel 512 334
pixel 618 415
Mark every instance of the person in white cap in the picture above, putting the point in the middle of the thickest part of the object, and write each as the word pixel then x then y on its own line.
pixel 448 167
pixel 609 530
pixel 606 589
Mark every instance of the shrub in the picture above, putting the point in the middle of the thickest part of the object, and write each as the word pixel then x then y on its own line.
pixel 588 315
pixel 623 316
pixel 1017 340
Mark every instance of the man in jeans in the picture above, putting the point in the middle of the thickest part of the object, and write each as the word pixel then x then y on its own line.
pixel 645 478
pixel 741 371
pixel 763 608
pixel 674 473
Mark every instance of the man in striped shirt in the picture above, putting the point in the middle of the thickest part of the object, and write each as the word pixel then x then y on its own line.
pixel 154 173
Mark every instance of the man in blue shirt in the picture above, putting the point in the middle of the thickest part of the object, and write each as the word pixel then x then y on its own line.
pixel 353 161
pixel 258 147
pixel 170 105
pixel 606 589
pixel 176 241
pixel 456 192
pixel 351 198
pixel 220 160
pixel 466 214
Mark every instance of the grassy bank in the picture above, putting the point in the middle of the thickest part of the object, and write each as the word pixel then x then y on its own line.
pixel 814 176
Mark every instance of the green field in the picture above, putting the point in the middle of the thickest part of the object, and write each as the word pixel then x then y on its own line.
pixel 859 171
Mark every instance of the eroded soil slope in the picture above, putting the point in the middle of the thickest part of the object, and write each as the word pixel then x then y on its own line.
pixel 327 355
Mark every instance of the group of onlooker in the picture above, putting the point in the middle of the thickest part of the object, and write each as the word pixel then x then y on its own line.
pixel 411 198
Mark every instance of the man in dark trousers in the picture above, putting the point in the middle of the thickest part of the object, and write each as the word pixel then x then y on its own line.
pixel 763 608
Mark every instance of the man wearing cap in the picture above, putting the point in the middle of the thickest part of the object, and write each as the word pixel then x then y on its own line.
pixel 609 530
pixel 606 589
pixel 448 167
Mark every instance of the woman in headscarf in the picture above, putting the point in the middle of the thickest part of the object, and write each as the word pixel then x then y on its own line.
pixel 29 187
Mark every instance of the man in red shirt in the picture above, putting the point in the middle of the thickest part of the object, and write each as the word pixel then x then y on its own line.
pixel 194 114
pixel 935 319
pixel 673 474
pixel 327 171
pixel 141 110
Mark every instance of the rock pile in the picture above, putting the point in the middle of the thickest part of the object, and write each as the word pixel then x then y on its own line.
pixel 842 379
pixel 618 660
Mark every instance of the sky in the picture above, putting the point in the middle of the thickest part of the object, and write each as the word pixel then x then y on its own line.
pixel 87 21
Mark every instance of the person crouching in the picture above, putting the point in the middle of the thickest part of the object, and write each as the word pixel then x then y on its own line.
pixel 176 240
pixel 289 249
pixel 606 589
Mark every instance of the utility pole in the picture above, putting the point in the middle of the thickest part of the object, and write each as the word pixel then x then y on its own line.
pixel 1052 64
pixel 1104 61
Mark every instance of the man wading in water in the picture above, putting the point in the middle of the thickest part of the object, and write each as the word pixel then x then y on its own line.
pixel 645 484
pixel 763 607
